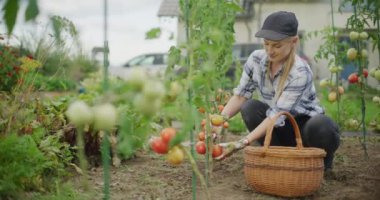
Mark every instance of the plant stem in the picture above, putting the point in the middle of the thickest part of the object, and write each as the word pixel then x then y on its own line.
pixel 82 157
pixel 188 64
pixel 335 53
pixel 378 30
pixel 360 74
pixel 106 166
pixel 196 171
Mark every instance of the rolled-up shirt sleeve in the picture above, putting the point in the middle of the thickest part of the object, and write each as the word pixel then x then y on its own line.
pixel 248 83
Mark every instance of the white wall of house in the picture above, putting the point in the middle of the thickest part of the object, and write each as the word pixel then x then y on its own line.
pixel 312 15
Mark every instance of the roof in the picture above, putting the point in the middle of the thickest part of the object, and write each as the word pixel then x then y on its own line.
pixel 169 8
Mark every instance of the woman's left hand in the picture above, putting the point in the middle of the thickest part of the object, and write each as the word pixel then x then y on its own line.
pixel 231 147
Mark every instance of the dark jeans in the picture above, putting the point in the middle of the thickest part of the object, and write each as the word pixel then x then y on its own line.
pixel 317 131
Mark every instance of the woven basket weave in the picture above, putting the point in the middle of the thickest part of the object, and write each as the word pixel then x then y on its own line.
pixel 284 171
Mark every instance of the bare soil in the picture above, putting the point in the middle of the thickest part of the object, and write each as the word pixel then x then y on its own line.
pixel 149 176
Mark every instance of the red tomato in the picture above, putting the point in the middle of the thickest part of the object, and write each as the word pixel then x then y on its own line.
pixel 217 150
pixel 365 73
pixel 159 146
pixel 200 147
pixel 167 134
pixel 226 125
pixel 201 136
pixel 201 110
pixel 220 107
pixel 203 123
pixel 353 78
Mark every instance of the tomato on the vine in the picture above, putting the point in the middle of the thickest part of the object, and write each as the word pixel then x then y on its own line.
pixel 220 107
pixel 200 147
pixel 175 156
pixel 201 136
pixel 365 73
pixel 203 123
pixel 217 150
pixel 159 146
pixel 353 78
pixel 226 125
pixel 201 109
pixel 217 120
pixel 332 96
pixel 167 134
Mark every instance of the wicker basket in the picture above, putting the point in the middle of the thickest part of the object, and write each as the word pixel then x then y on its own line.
pixel 284 171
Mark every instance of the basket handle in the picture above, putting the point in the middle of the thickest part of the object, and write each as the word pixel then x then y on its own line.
pixel 268 136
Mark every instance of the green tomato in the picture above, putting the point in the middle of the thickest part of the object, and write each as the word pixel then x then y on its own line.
pixel 79 113
pixel 363 35
pixel 175 89
pixel 352 53
pixel 354 35
pixel 324 83
pixel 376 99
pixel 372 72
pixel 154 90
pixel 364 53
pixel 340 68
pixel 105 117
pixel 334 69
pixel 136 78
pixel 377 75
pixel 146 106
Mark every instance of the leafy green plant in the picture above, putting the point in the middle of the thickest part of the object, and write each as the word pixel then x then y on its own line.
pixel 45 83
pixel 208 57
pixel 65 191
pixel 22 165
pixel 237 125
pixel 333 51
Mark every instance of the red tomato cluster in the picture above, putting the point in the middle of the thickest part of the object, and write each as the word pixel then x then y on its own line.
pixel 160 145
pixel 216 121
pixel 354 78
pixel 200 147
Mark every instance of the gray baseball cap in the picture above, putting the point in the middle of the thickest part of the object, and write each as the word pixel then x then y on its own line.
pixel 279 25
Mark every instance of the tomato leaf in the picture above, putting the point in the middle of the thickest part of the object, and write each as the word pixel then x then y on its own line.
pixel 32 10
pixel 10 9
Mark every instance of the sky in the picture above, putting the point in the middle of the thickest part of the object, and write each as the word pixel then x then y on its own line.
pixel 128 21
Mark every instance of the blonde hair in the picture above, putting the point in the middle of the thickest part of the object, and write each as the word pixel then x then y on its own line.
pixel 288 65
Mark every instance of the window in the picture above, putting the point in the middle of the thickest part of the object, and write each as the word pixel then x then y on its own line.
pixel 148 60
pixel 134 61
pixel 247 6
pixel 242 51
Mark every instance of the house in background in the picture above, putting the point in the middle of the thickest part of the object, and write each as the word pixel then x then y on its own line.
pixel 312 15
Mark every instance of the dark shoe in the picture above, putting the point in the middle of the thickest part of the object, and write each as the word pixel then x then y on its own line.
pixel 329 174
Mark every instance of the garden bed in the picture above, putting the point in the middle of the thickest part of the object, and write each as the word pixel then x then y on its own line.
pixel 149 176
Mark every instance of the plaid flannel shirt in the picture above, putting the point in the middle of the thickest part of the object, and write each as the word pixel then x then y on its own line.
pixel 298 96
